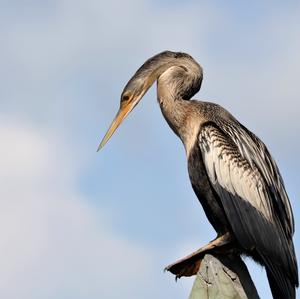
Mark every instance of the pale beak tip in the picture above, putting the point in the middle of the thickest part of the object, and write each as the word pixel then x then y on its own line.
pixel 100 146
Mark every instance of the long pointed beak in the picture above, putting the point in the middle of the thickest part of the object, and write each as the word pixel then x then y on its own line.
pixel 125 109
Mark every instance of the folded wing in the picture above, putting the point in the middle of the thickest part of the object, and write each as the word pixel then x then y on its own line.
pixel 250 189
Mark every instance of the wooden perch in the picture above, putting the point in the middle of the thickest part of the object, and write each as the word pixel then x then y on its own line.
pixel 223 277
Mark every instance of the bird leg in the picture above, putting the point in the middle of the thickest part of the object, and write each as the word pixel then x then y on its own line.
pixel 190 264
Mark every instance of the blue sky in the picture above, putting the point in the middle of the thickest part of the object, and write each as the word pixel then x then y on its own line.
pixel 79 224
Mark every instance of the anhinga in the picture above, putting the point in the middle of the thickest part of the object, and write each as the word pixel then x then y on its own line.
pixel 232 172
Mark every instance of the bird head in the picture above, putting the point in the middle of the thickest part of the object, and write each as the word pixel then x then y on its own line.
pixel 130 97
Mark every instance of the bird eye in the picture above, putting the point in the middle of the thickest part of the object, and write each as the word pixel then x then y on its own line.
pixel 125 97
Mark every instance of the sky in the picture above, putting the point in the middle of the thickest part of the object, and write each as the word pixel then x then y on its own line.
pixel 77 224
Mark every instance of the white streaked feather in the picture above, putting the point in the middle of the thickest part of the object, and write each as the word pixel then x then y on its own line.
pixel 233 174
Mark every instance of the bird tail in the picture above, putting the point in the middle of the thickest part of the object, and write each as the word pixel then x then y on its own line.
pixel 281 284
pixel 286 289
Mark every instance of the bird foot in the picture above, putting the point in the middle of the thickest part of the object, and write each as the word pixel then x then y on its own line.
pixel 190 264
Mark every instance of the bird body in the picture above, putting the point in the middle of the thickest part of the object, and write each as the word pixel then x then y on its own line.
pixel 231 171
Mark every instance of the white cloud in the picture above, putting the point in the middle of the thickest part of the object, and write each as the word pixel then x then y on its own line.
pixel 53 243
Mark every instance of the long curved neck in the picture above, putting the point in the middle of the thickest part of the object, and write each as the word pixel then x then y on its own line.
pixel 172 107
pixel 175 86
pixel 181 116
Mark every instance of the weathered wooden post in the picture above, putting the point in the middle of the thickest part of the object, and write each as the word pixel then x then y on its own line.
pixel 223 277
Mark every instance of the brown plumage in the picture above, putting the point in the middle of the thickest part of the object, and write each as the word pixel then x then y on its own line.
pixel 231 171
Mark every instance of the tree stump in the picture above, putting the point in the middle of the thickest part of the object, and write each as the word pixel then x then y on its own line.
pixel 223 277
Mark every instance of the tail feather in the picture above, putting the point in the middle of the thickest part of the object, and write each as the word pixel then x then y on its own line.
pixel 281 284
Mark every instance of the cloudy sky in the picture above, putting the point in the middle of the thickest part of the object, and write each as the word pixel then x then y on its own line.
pixel 79 224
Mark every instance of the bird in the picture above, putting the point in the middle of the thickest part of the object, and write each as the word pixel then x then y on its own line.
pixel 231 171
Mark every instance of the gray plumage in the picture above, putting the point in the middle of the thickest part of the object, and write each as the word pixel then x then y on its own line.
pixel 231 171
